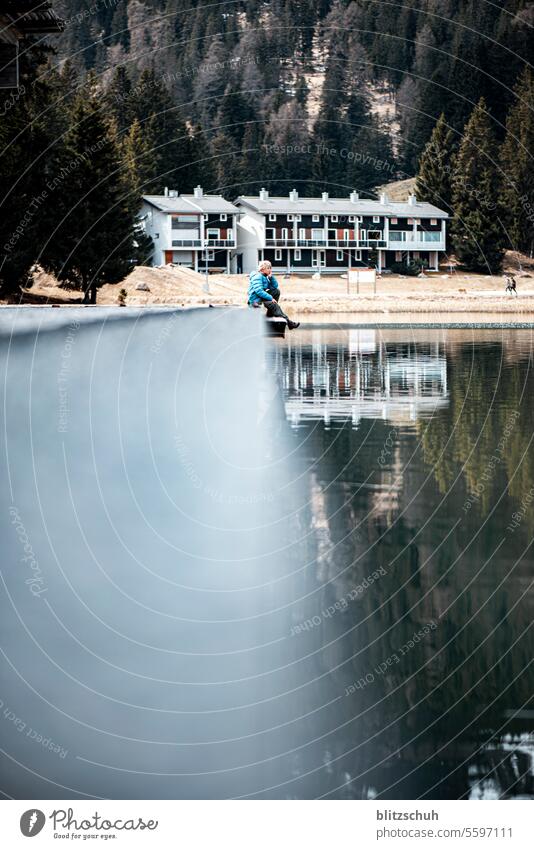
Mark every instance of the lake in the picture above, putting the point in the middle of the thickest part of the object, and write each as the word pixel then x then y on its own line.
pixel 264 568
pixel 415 450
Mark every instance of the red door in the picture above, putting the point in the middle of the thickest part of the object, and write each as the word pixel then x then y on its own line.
pixel 168 257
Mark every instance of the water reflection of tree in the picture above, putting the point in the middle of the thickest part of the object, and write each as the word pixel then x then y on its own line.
pixel 459 678
pixel 461 440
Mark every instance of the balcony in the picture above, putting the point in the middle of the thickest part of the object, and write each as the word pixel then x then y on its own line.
pixel 410 240
pixel 281 243
pixel 219 243
pixel 203 243
pixel 186 243
pixel 325 243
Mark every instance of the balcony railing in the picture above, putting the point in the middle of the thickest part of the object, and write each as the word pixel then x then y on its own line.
pixel 403 236
pixel 325 243
pixel 203 243
pixel 219 243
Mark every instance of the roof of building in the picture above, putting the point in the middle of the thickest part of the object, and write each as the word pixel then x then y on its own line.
pixel 340 206
pixel 29 18
pixel 191 203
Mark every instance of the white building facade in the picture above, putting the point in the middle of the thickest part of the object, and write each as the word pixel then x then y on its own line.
pixel 331 235
pixel 197 231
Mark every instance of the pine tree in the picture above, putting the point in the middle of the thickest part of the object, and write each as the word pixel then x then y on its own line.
pixel 517 159
pixel 30 132
pixel 477 230
pixel 286 148
pixel 118 98
pixel 166 135
pixel 253 164
pixel 234 112
pixel 92 231
pixel 137 159
pixel 436 166
pixel 225 162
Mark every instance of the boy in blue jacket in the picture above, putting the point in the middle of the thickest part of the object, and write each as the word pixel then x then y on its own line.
pixel 263 289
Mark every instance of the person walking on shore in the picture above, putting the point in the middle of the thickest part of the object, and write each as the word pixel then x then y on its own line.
pixel 264 290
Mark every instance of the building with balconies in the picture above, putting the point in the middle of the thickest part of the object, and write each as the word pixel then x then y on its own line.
pixel 197 231
pixel 331 235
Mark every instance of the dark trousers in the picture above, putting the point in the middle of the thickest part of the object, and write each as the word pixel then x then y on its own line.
pixel 274 310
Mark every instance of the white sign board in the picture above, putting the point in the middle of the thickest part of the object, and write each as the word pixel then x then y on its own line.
pixel 362 275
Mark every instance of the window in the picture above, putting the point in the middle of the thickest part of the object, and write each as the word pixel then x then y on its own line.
pixel 339 256
pixel 290 217
pixel 297 255
pixel 205 217
pixel 208 255
pixel 434 221
pixel 333 218
pixel 394 221
pixel 298 217
pixel 318 235
pixel 284 234
pixel 374 235
pixel 278 255
pixel 272 216
pixel 302 234
pixel 224 216
pixel 316 218
pixel 358 256
pixel 410 220
pixel 269 233
pixel 213 234
pixel 352 218
pixel 376 219
pixel 416 254
pixel 185 222
pixel 398 256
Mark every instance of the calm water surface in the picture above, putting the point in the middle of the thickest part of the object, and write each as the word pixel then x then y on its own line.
pixel 233 599
pixel 416 456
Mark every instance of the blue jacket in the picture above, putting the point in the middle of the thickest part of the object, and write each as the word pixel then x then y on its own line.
pixel 257 287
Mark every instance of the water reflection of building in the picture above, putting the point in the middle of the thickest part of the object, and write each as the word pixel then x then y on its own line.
pixel 364 377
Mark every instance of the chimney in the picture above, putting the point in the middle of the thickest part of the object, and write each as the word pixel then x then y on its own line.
pixel 412 200
pixel 354 197
pixel 293 195
pixel 173 193
pixel 324 196
pixel 166 192
pixel 264 194
pixel 384 199
pixel 197 191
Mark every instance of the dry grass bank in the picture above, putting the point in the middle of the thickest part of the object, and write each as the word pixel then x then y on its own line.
pixel 436 293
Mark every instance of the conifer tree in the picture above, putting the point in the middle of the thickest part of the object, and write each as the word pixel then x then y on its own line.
pixel 517 159
pixel 166 135
pixel 234 112
pixel 477 230
pixel 137 159
pixel 435 167
pixel 30 131
pixel 118 98
pixel 92 231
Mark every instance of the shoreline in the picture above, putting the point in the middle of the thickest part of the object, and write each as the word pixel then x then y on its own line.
pixel 340 319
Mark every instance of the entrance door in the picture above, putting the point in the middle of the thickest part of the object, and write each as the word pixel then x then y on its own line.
pixel 319 260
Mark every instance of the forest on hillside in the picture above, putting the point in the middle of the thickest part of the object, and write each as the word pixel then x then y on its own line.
pixel 295 67
pixel 315 94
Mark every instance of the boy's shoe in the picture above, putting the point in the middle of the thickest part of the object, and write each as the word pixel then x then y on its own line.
pixel 293 324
